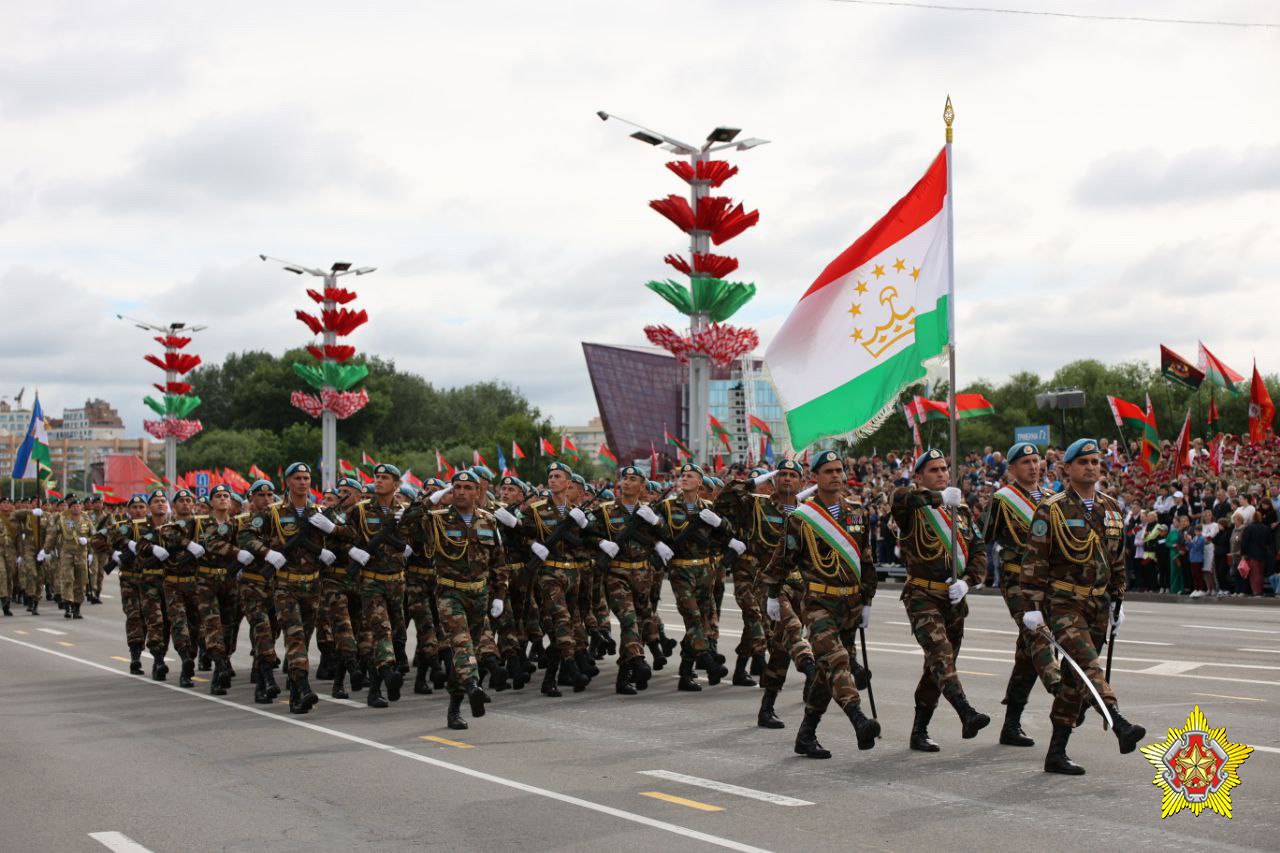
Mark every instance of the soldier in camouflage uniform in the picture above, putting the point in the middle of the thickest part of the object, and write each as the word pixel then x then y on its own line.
pixel 217 595
pixel 521 607
pixel 144 542
pixel 745 510
pixel 825 541
pixel 33 525
pixel 585 633
pixel 934 597
pixel 665 646
pixel 114 537
pixel 97 556
pixel 693 530
pixel 1006 523
pixel 8 554
pixel 419 605
pixel 1072 576
pixel 289 538
pixel 257 598
pixel 180 537
pixel 69 536
pixel 340 594
pixel 466 546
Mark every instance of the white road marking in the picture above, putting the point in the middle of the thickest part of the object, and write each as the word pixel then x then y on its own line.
pixel 726 788
pixel 52 631
pixel 350 703
pixel 1267 749
pixel 1223 628
pixel 975 630
pixel 118 841
pixel 104 595
pixel 643 820
pixel 1171 667
pixel 1269 651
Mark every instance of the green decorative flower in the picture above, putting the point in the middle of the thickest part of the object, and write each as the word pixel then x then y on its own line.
pixel 330 374
pixel 721 299
pixel 176 405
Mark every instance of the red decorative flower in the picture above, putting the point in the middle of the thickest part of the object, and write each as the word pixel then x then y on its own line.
pixel 713 172
pixel 176 427
pixel 713 266
pixel 342 321
pixel 313 324
pixel 173 387
pixel 339 353
pixel 178 362
pixel 172 341
pixel 339 295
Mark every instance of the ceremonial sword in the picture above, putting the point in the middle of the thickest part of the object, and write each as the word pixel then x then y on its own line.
pixel 1102 708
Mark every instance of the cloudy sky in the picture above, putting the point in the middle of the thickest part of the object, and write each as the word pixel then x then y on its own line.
pixel 1116 183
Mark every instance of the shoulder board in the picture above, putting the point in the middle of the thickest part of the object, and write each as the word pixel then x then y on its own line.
pixel 607 505
pixel 1053 498
pixel 244 516
pixel 541 502
pixel 669 499
pixel 486 514
pixel 441 512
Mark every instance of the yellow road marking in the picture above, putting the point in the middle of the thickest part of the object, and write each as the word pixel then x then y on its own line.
pixel 1224 696
pixel 681 801
pixel 117 657
pixel 65 643
pixel 975 672
pixel 199 679
pixel 444 740
pixel 19 631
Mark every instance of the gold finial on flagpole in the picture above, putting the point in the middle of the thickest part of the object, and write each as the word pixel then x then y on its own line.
pixel 948 116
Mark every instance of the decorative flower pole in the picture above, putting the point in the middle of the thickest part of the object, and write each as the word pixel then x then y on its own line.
pixel 332 376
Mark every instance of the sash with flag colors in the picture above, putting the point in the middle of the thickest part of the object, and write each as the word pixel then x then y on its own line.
pixel 868 324
pixel 1017 502
pixel 817 517
pixel 33 460
pixel 1217 372
pixel 718 430
pixel 940 521
pixel 606 457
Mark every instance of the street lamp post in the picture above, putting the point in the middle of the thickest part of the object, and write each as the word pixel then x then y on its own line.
pixel 720 139
pixel 328 420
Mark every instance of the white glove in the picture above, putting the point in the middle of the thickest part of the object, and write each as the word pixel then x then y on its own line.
pixel 951 497
pixel 710 517
pixel 737 546
pixel 159 552
pixel 539 549
pixel 360 555
pixel 327 557
pixel 496 610
pixel 664 552
pixel 196 549
pixel 42 556
pixel 408 551
pixel 864 621
pixel 1117 619
pixel 764 478
pixel 20 559
pixel 579 517
pixel 244 558
pixel 773 609
pixel 90 559
pixel 504 517
pixel 610 548
pixel 322 522
pixel 436 497
pixel 806 493
pixel 82 540
pixel 115 555
pixel 646 514
pixel 133 547
pixel 1033 620
pixel 275 558
pixel 37 512
pixel 957 590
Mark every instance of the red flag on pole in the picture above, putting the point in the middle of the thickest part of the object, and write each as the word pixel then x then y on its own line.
pixel 516 452
pixel 1261 410
pixel 1182 453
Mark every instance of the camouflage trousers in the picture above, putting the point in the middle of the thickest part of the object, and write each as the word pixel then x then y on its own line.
pixel 296 606
pixel 182 609
pixel 29 573
pixel 1080 626
pixel 462 616
pixel 8 576
pixel 382 612
pixel 49 573
pixel 559 607
pixel 257 603
pixel 340 602
pixel 590 592
pixel 420 608
pixel 218 601
pixel 692 586
pixel 94 581
pixel 717 598
pixel 628 592
pixel 154 619
pixel 833 627
pixel 131 604
pixel 787 643
pixel 1032 655
pixel 938 626
pixel 747 595
pixel 510 626
pixel 73 576
pixel 654 625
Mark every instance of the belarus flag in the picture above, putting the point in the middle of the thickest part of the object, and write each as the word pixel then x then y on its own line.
pixel 864 329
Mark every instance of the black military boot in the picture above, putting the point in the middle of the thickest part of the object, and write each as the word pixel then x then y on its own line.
pixel 516 669
pixel 440 668
pixel 260 695
pixel 640 672
pixel 66 609
pixel 623 686
pixel 135 660
pixel 216 685
pixel 340 666
pixel 203 662
pixel 307 697
pixel 549 679
pixel 740 676
pixel 392 679
pixel 712 646
pixel 767 719
pixel 807 737
pixel 659 659
pixel 573 676
pixel 586 665
pixel 1011 733
pixel 269 680
pixel 374 697
pixel 713 666
pixel 497 675
pixel 861 675
pixel 402 657
pixel 75 611
pixel 48 593
pixel 4 607
pixel 421 683
pixel 866 729
pixel 596 646
pixel 324 670
pixel 758 663
pixel 610 646
pixel 537 653
pixel 359 674
pixel 668 644
pixel 1056 760
pixel 971 721
pixel 188 672
pixel 920 740
pixel 1127 733
pixel 454 716
pixel 476 696
pixel 808 668
pixel 35 605
pixel 688 680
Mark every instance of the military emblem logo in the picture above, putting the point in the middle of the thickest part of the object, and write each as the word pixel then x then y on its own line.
pixel 1196 767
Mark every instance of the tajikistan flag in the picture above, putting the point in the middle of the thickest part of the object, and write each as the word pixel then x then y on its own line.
pixel 865 328
pixel 33 461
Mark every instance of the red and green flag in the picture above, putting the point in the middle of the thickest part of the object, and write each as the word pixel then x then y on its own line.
pixel 923 410
pixel 516 452
pixel 366 460
pixel 546 448
pixel 719 431
pixel 1217 372
pixel 606 457
pixel 973 406
pixel 568 449
pixel 759 425
pixel 257 473
pixel 1143 423
pixel 1177 369
pixel 346 469
pixel 682 449
pixel 1151 440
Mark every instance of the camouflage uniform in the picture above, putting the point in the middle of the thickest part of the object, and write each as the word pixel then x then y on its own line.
pixel 116 536
pixel 145 535
pixel 257 604
pixel 420 599
pixel 65 536
pixel 340 594
pixel 181 607
pixel 382 587
pixel 8 559
pixel 628 579
pixel 692 578
pixel 745 509
pixel 558 575
pixel 217 591
pixel 33 530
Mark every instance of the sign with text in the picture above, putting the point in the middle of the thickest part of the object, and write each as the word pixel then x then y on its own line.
pixel 1037 435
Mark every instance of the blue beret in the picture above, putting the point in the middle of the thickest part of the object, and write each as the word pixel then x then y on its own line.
pixel 559 466
pixel 791 465
pixel 579 479
pixel 591 490
pixel 408 491
pixel 350 483
pixel 386 468
pixel 630 470
pixel 297 468
pixel 1021 449
pixel 823 458
pixel 333 492
pixel 927 457
pixel 1080 447
pixel 137 499
pixel 181 493
pixel 368 488
pixel 156 493
pixel 654 486
pixel 756 472
pixel 237 497
pixel 606 494
pixel 219 489
pixel 715 482
pixel 482 472
pixel 464 476
pixel 261 486
pixel 689 466
pixel 435 482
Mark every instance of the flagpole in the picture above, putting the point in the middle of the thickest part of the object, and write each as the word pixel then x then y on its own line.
pixel 948 116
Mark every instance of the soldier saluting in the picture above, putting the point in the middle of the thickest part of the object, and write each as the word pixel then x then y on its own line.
pixel 1073 573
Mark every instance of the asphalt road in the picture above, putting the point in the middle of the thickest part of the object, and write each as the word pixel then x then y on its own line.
pixel 90 749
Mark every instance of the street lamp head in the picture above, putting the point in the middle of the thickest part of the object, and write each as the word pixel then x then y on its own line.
pixel 604 116
pixel 365 270
pixel 295 270
pixel 750 142
pixel 264 257
pixel 340 266
pixel 723 134
pixel 647 137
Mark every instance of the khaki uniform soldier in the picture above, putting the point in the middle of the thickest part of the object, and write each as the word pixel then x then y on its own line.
pixel 33 524
pixel 925 513
pixel 1072 577
pixel 98 556
pixel 1007 522
pixel 257 599
pixel 69 536
pixel 217 595
pixel 144 542
pixel 9 550
pixel 117 537
pixel 825 541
